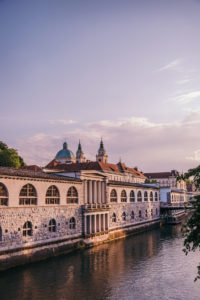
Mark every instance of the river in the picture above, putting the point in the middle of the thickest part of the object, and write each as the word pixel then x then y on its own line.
pixel 150 265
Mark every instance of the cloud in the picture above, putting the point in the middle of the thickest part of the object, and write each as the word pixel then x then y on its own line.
pixel 184 81
pixel 173 65
pixel 139 141
pixel 63 122
pixel 187 97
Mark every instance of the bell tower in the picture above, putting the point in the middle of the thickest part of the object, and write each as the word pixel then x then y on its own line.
pixel 80 158
pixel 101 155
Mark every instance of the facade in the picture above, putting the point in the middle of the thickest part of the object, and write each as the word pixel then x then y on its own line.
pixel 70 204
pixel 167 179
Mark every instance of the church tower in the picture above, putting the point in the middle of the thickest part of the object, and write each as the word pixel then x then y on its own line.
pixel 80 158
pixel 101 155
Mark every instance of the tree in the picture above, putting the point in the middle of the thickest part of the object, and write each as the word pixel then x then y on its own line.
pixel 191 230
pixel 9 157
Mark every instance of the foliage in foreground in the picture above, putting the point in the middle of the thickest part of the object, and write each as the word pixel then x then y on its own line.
pixel 191 230
pixel 9 157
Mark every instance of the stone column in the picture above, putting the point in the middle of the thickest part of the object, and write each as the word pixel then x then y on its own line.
pixel 102 192
pixel 99 192
pixel 85 224
pixel 86 196
pixel 95 224
pixel 106 221
pixel 103 222
pixel 95 191
pixel 90 218
pixel 90 191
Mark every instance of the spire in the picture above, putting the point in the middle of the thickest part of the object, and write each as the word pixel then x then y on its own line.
pixel 101 155
pixel 79 154
pixel 101 148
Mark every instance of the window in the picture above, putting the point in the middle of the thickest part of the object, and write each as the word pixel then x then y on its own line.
pixel 52 225
pixel 113 196
pixel 156 211
pixel 123 196
pixel 114 218
pixel 132 215
pixel 28 195
pixel 151 212
pixel 3 195
pixel 151 196
pixel 140 214
pixel 146 213
pixel 145 196
pixel 52 195
pixel 132 196
pixel 124 216
pixel 156 196
pixel 27 229
pixel 72 195
pixel 139 196
pixel 72 223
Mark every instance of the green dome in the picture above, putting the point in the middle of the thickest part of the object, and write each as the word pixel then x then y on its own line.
pixel 65 153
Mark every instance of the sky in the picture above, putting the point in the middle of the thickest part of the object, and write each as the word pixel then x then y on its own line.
pixel 124 70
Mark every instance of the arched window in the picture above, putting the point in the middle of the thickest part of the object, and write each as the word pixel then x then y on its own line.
pixel 72 195
pixel 156 211
pixel 132 196
pixel 139 196
pixel 156 196
pixel 52 225
pixel 72 223
pixel 132 215
pixel 113 196
pixel 114 218
pixel 152 212
pixel 145 196
pixel 140 214
pixel 52 195
pixel 27 229
pixel 0 234
pixel 151 196
pixel 123 196
pixel 146 213
pixel 124 216
pixel 3 195
pixel 28 195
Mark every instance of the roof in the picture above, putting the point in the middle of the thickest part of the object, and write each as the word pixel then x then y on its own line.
pixel 158 175
pixel 34 168
pixel 140 185
pixel 33 174
pixel 96 165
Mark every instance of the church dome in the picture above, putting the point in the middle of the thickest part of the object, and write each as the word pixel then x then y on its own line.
pixel 65 153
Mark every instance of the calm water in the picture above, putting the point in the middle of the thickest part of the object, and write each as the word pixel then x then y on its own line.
pixel 147 266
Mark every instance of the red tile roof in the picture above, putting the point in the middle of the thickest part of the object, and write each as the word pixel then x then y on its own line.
pixel 158 175
pixel 32 174
pixel 98 166
pixel 34 168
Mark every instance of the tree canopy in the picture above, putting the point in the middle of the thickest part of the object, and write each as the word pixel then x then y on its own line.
pixel 191 230
pixel 9 157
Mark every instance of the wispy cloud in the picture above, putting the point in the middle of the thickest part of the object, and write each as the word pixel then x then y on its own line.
pixel 173 65
pixel 187 97
pixel 63 122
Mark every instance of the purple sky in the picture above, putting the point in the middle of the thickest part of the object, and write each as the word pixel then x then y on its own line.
pixel 126 70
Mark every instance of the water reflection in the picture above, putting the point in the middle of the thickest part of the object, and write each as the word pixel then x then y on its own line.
pixel 147 265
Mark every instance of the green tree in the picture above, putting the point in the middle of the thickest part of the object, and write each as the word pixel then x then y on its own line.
pixel 9 157
pixel 191 230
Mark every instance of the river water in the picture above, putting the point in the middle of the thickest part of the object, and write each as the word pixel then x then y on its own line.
pixel 150 265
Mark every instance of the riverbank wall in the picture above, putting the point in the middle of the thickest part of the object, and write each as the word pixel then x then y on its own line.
pixel 33 252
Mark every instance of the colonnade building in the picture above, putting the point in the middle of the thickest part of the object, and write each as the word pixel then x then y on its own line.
pixel 71 202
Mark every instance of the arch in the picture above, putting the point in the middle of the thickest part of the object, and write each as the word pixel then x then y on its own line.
pixel 28 195
pixel 146 213
pixel 132 196
pixel 72 223
pixel 72 195
pixel 151 196
pixel 52 195
pixel 132 215
pixel 27 229
pixel 156 196
pixel 114 218
pixel 145 196
pixel 139 196
pixel 123 196
pixel 3 195
pixel 113 196
pixel 140 214
pixel 0 234
pixel 124 216
pixel 52 225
